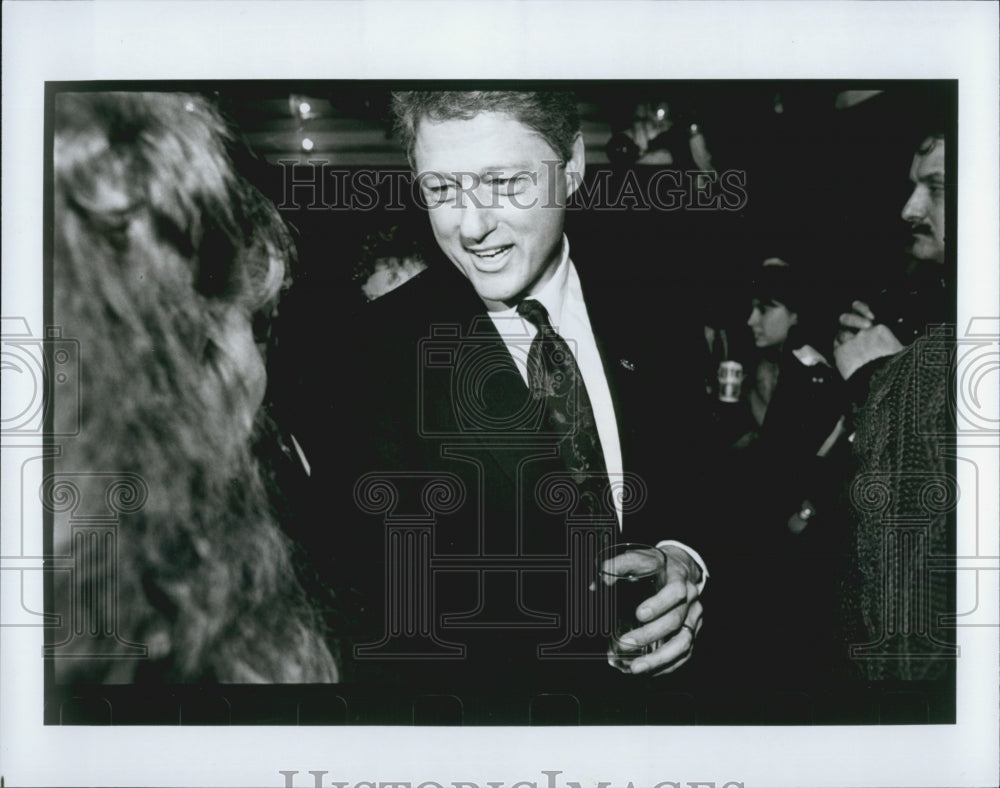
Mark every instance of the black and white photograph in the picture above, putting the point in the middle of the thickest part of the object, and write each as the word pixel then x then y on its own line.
pixel 367 424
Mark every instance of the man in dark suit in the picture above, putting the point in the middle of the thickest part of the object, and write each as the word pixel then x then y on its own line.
pixel 510 422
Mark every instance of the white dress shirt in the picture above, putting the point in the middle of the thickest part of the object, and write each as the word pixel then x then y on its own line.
pixel 562 297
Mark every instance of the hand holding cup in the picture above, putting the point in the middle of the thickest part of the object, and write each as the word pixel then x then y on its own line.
pixel 628 574
pixel 658 636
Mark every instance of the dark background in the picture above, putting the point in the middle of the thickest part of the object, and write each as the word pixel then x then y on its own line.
pixel 825 185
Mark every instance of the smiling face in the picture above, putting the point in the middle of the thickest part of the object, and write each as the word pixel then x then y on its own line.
pixel 496 192
pixel 770 322
pixel 924 211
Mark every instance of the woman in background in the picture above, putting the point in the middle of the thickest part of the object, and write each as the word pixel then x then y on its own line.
pixel 781 484
pixel 793 395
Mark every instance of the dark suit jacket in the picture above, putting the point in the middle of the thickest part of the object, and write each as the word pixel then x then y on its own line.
pixel 472 560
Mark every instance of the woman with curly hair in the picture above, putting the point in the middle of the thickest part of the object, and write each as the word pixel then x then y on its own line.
pixel 163 257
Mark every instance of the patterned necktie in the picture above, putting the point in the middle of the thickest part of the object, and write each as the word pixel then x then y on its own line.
pixel 554 375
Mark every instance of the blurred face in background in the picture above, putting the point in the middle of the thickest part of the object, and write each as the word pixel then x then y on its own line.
pixel 770 322
pixel 389 273
pixel 924 211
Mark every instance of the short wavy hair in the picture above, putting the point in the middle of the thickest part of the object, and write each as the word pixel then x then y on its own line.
pixel 550 113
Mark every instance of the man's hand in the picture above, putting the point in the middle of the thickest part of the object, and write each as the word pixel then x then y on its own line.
pixel 674 615
pixel 867 345
pixel 861 340
pixel 860 317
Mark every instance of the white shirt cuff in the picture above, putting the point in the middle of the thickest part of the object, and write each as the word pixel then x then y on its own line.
pixel 694 555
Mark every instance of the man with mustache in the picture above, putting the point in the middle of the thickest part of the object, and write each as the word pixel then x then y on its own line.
pixel 902 491
pixel 924 212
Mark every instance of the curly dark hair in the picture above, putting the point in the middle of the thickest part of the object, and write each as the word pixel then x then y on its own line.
pixel 162 255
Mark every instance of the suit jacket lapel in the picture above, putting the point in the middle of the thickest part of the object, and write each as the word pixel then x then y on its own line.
pixel 618 354
pixel 503 389
pixel 486 386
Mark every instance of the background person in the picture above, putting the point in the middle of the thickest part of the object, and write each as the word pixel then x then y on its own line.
pixel 793 394
pixel 792 403
pixel 389 258
pixel 896 607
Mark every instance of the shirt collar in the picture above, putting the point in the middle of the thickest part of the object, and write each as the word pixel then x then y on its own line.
pixel 552 295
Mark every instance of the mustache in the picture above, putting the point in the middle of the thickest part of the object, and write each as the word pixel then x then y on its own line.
pixel 921 229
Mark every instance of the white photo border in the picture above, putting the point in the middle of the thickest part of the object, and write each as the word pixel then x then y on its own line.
pixel 44 42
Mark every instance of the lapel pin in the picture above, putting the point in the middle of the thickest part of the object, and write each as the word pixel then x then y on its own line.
pixel 629 365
